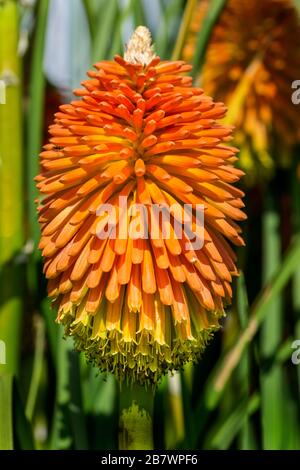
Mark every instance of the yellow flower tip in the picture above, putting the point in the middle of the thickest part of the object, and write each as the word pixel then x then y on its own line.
pixel 143 358
pixel 139 298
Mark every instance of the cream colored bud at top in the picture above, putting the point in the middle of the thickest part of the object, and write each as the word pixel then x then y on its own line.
pixel 139 50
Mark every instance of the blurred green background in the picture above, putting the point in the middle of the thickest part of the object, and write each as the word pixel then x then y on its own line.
pixel 244 393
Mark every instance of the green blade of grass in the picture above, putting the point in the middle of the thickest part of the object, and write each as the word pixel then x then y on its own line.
pixel 138 13
pixel 125 15
pixel 61 436
pixel 296 277
pixel 212 16
pixel 291 434
pixel 6 425
pixel 164 36
pixel 296 305
pixel 117 44
pixel 271 377
pixel 243 369
pixel 100 405
pixel 187 376
pixel 90 17
pixel 69 426
pixel 11 188
pixel 22 427
pixel 105 26
pixel 226 365
pixel 95 8
pixel 225 430
pixel 132 12
pixel 160 416
pixel 77 417
pixel 35 117
pixel 258 312
pixel 184 28
pixel 37 367
pixel 52 328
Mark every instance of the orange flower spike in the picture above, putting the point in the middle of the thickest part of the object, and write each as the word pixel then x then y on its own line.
pixel 251 69
pixel 135 291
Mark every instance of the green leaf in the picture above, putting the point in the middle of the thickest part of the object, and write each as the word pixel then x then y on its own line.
pixel 271 376
pixel 187 388
pixel 100 399
pixel 212 16
pixel 296 277
pixel 189 10
pixel 258 312
pixel 22 427
pixel 291 434
pixel 243 369
pixel 225 430
pixel 69 426
pixel 11 188
pixel 37 367
pixel 117 44
pixel 225 366
pixel 35 116
pixel 89 10
pixel 160 415
pixel 164 36
pixel 52 328
pixel 138 13
pixel 105 29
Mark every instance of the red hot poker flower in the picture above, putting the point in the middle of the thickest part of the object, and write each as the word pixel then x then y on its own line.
pixel 139 305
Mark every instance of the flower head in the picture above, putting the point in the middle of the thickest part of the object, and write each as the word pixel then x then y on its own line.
pixel 253 57
pixel 139 303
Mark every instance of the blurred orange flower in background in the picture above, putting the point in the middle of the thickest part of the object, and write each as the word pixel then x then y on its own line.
pixel 139 306
pixel 252 59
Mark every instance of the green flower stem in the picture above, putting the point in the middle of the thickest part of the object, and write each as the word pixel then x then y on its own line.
pixel 11 194
pixel 175 418
pixel 136 411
